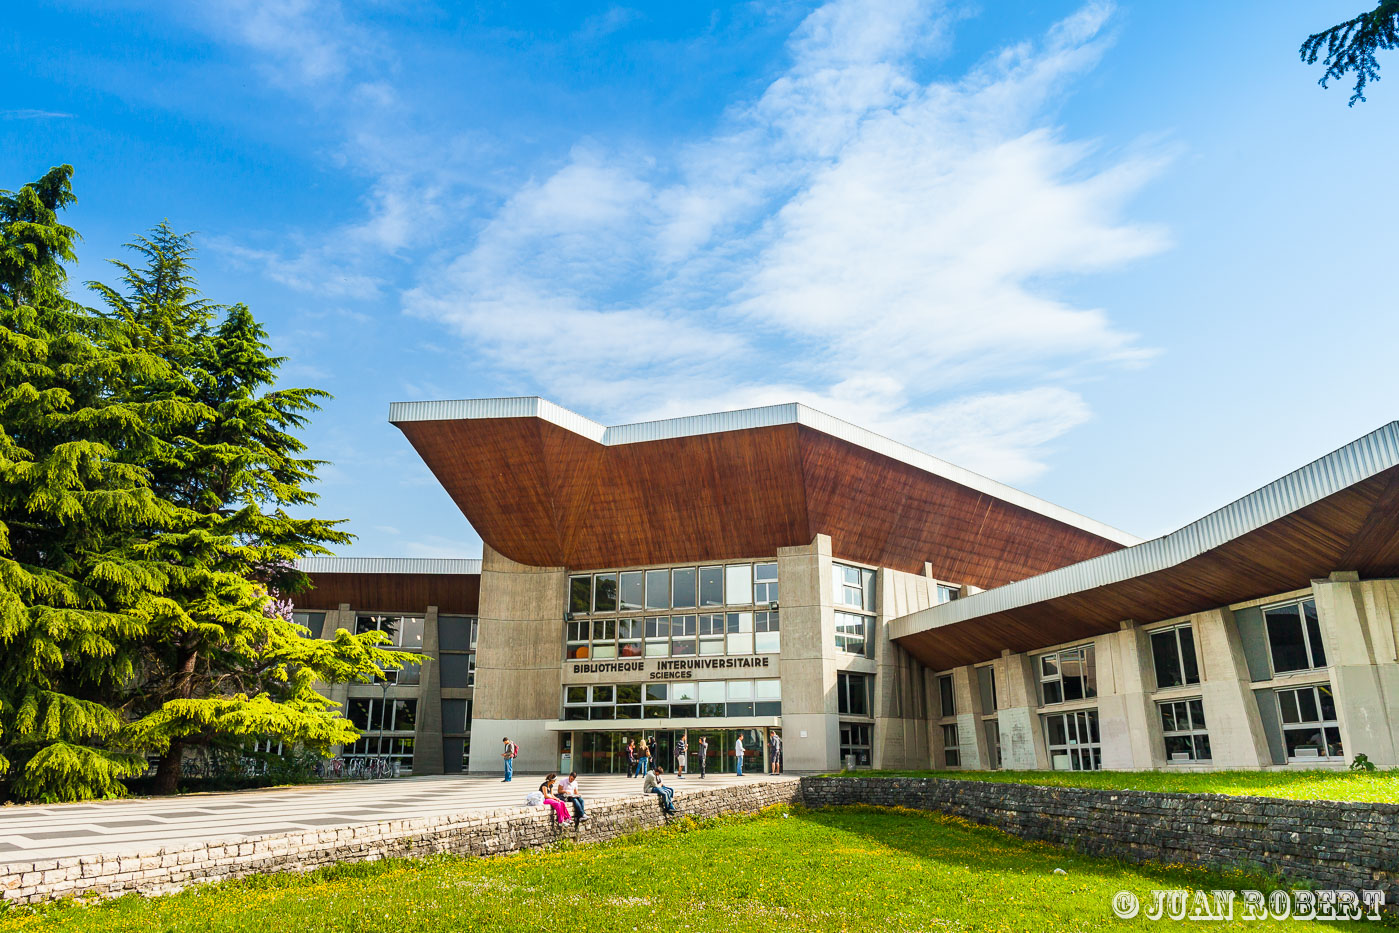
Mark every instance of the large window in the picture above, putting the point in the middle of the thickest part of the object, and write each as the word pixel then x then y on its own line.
pixel 853 587
pixel 947 696
pixel 1070 674
pixel 673 700
pixel 853 633
pixel 986 685
pixel 314 622
pixel 1309 727
pixel 1294 637
pixel 946 593
pixel 764 584
pixel 853 693
pixel 1173 652
pixel 951 747
pixel 855 740
pixel 1183 726
pixel 1073 741
pixel 742 584
pixel 373 714
pixel 993 741
pixel 405 633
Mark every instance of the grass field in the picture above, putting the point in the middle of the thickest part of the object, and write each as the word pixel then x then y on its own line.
pixel 856 869
pixel 1356 786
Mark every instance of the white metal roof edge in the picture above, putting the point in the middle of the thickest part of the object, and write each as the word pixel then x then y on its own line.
pixel 746 419
pixel 1355 462
pixel 434 565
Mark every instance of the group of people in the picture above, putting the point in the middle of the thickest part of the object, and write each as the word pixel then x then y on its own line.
pixel 561 794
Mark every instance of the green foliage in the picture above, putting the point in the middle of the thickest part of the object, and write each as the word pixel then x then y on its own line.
pixel 1351 46
pixel 833 869
pixel 1362 762
pixel 148 461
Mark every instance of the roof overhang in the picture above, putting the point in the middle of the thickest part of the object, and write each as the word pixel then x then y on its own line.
pixel 391 584
pixel 547 487
pixel 1339 513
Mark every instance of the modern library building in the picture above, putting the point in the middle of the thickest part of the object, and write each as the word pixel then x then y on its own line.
pixel 780 571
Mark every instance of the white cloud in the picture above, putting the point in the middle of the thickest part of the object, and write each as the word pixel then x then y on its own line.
pixel 852 239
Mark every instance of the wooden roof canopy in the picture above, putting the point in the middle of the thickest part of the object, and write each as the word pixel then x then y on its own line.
pixel 547 487
pixel 1339 513
pixel 391 584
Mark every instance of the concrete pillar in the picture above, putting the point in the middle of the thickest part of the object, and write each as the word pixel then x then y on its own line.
pixel 518 663
pixel 1135 741
pixel 810 736
pixel 1022 739
pixel 1237 738
pixel 1357 623
pixel 427 743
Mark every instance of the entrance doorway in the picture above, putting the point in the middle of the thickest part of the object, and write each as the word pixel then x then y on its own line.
pixel 606 752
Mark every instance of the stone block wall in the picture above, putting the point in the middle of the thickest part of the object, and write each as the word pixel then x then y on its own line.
pixel 1327 844
pixel 484 832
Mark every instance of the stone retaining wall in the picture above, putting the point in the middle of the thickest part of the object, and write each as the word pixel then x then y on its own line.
pixel 484 832
pixel 1330 845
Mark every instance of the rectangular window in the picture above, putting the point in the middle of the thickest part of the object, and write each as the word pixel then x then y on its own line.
pixel 580 592
pixel 471 669
pixel 576 637
pixel 767 697
pixel 658 589
pixel 740 697
pixel 683 582
pixel 1073 741
pixel 1071 674
pixel 1309 727
pixel 767 628
pixel 855 740
pixel 604 638
pixel 764 583
pixel 632 589
pixel 852 694
pixel 1294 637
pixel 658 637
pixel 682 636
pixel 404 714
pixel 947 593
pixel 605 592
pixel 951 748
pixel 711 698
pixel 946 696
pixel 629 638
pixel 314 622
pixel 986 684
pixel 711 584
pixel 1173 651
pixel 711 634
pixel 993 742
pixel 853 587
pixel 404 632
pixel 852 633
pixel 1183 726
pixel 740 632
pixel 738 584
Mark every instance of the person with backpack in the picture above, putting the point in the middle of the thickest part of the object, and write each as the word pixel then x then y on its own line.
pixel 510 752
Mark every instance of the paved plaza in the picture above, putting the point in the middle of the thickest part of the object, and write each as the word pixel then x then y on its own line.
pixel 35 832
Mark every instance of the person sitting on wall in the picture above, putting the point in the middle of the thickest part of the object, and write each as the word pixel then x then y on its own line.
pixel 568 792
pixel 552 799
pixel 655 785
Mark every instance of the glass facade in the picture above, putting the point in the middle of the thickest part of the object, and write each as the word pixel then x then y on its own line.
pixel 1073 740
pixel 1309 727
pixel 1067 675
pixel 679 699
pixel 1294 637
pixel 1173 656
pixel 1183 728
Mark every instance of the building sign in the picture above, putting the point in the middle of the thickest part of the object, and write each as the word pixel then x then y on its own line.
pixel 668 668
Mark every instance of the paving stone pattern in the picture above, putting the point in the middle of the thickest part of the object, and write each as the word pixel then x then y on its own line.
pixel 161 869
pixel 1327 844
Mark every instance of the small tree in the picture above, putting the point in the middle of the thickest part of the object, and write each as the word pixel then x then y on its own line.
pixel 1351 46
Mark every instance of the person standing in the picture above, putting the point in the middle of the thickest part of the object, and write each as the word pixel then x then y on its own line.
pixel 775 751
pixel 682 746
pixel 738 755
pixel 632 770
pixel 643 754
pixel 703 754
pixel 509 753
pixel 568 792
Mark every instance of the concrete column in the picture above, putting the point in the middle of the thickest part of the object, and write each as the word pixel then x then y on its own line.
pixel 810 736
pixel 1357 622
pixel 1022 739
pixel 901 733
pixel 518 663
pixel 1132 734
pixel 1237 738
pixel 972 745
pixel 427 743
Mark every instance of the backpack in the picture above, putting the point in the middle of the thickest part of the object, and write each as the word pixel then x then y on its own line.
pixel 514 750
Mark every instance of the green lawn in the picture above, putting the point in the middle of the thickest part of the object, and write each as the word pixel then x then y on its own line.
pixel 857 869
pixel 1357 786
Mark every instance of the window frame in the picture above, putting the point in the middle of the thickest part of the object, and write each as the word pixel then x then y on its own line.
pixel 1193 732
pixel 1307 646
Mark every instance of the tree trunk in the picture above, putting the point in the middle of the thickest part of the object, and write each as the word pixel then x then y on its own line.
pixel 168 771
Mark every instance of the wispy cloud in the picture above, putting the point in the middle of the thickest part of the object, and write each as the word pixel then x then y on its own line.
pixel 34 115
pixel 852 238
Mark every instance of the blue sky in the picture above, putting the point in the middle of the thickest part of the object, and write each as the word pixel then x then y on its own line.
pixel 1127 257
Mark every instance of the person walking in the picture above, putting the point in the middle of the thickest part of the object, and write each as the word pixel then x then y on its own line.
pixel 643 754
pixel 682 746
pixel 703 755
pixel 738 755
pixel 508 753
pixel 568 792
pixel 774 752
pixel 632 770
pixel 655 785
